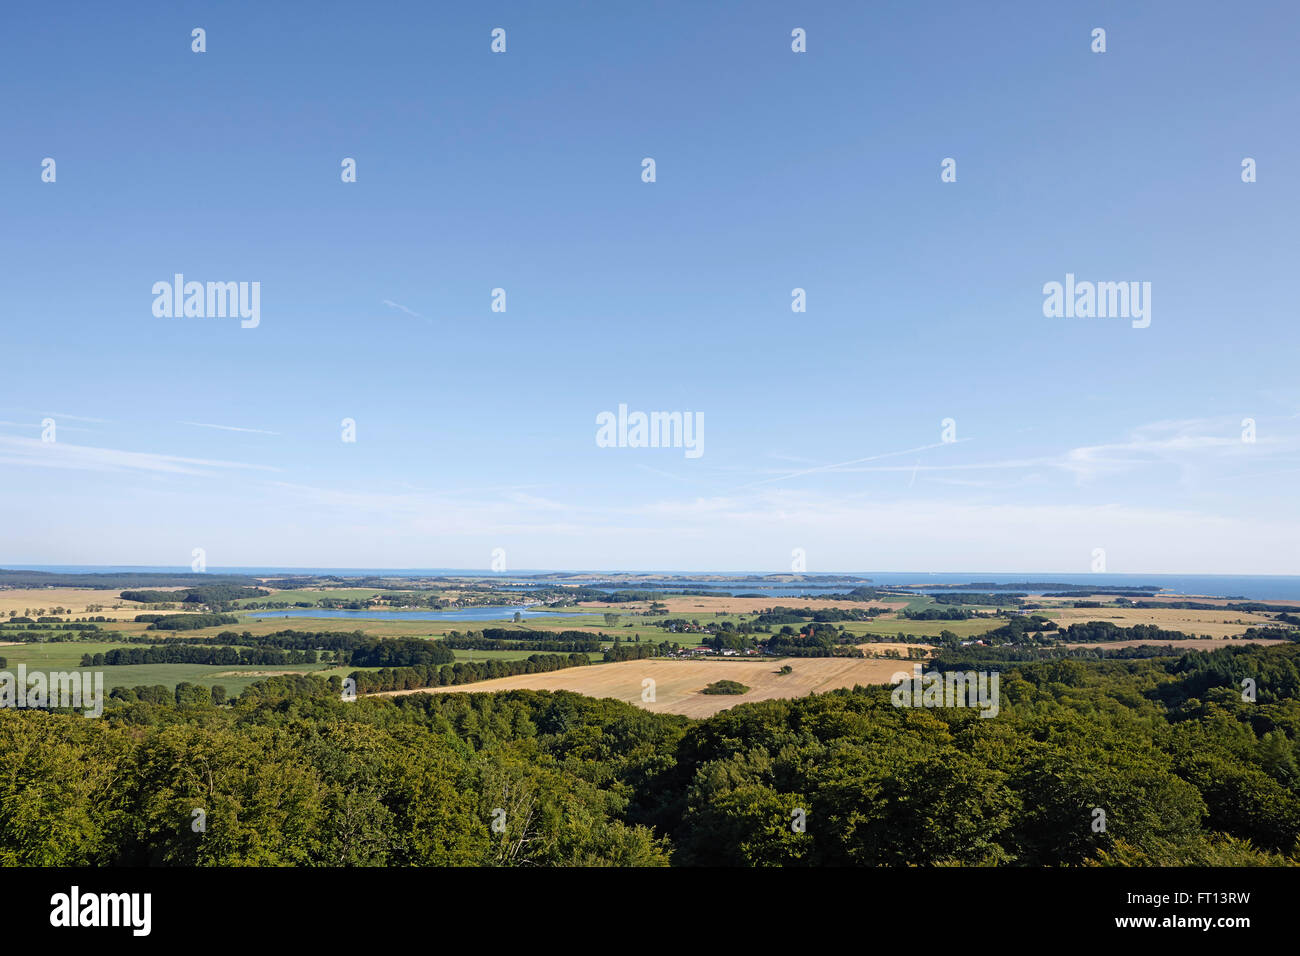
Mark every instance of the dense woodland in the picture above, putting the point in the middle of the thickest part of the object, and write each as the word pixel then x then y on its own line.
pixel 184 622
pixel 1186 771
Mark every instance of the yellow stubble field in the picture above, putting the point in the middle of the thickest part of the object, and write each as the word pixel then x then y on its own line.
pixel 677 683
pixel 1212 623
pixel 78 599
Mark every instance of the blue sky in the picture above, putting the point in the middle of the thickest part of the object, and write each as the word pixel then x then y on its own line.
pixel 775 170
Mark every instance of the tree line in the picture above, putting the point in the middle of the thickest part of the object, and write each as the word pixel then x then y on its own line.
pixel 191 654
pixel 184 622
pixel 462 672
pixel 471 643
pixel 206 594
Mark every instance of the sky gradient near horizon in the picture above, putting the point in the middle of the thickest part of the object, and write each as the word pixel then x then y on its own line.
pixel 475 430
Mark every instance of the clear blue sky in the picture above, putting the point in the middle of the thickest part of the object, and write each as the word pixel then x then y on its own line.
pixel 775 170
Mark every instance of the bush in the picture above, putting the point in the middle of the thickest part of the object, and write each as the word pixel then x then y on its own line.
pixel 726 687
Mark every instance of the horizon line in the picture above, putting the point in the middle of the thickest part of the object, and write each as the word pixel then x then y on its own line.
pixel 487 572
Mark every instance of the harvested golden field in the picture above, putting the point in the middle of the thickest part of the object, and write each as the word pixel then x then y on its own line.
pixel 691 605
pixel 78 599
pixel 678 683
pixel 1212 623
pixel 883 646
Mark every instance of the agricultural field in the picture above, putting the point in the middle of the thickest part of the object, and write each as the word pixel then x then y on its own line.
pixel 883 647
pixel 1211 623
pixel 313 595
pixel 891 626
pixel 75 599
pixel 464 655
pixel 128 626
pixel 627 621
pixel 66 656
pixel 392 626
pixel 690 606
pixel 678 684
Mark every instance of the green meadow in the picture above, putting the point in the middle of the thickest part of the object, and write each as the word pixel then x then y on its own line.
pixel 67 657
pixel 892 627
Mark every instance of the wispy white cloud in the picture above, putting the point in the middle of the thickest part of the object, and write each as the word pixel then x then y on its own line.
pixel 796 459
pixel 79 418
pixel 32 452
pixel 988 520
pixel 39 425
pixel 661 473
pixel 401 308
pixel 844 465
pixel 229 428
pixel 1003 464
pixel 1189 445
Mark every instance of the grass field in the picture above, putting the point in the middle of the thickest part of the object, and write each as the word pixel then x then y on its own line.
pixel 66 656
pixel 314 594
pixel 504 655
pixel 891 627
pixel 396 627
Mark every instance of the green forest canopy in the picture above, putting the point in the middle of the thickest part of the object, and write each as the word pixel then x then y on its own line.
pixel 1185 770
